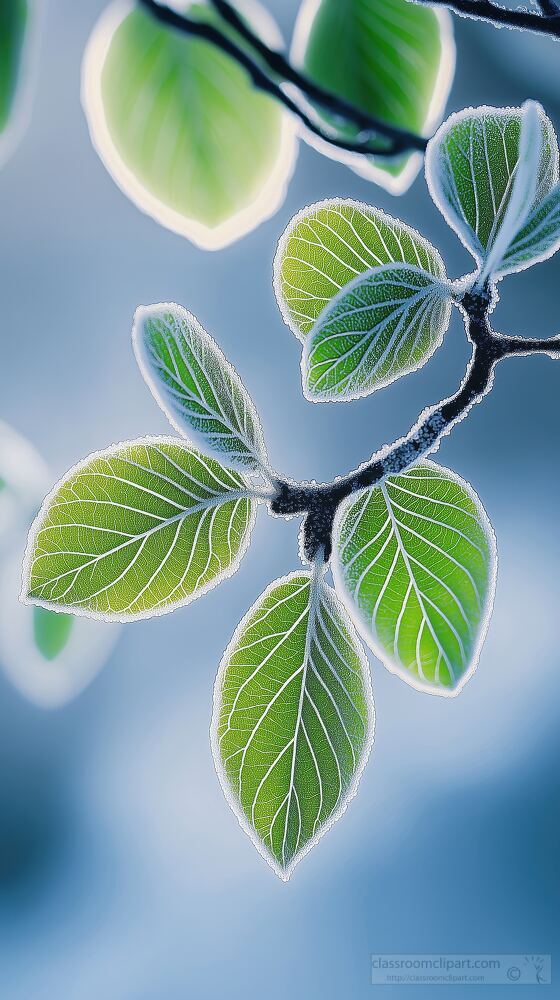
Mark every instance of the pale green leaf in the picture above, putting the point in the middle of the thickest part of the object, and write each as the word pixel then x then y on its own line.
pixel 538 239
pixel 48 657
pixel 388 57
pixel 293 718
pixel 415 563
pixel 382 325
pixel 199 391
pixel 328 244
pixel 523 189
pixel 182 129
pixel 137 530
pixel 471 167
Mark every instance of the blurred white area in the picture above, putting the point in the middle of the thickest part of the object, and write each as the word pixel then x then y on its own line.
pixel 48 682
pixel 24 480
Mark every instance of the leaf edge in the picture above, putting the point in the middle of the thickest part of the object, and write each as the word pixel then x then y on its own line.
pixel 260 466
pixel 270 198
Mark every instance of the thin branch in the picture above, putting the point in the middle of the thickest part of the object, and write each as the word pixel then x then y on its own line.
pixel 391 140
pixel 485 10
pixel 522 346
pixel 320 502
pixel 333 103
pixel 378 137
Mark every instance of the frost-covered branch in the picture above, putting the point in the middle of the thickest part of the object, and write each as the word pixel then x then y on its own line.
pixel 320 502
pixel 547 23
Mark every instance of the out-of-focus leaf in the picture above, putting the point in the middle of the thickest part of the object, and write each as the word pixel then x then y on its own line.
pixel 50 658
pixel 24 480
pixel 391 58
pixel 14 17
pixel 182 129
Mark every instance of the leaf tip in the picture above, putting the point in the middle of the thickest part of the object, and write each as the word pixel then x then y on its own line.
pixel 144 313
pixel 284 874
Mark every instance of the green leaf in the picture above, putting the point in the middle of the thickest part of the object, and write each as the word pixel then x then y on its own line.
pixel 52 631
pixel 382 325
pixel 523 188
pixel 137 530
pixel 328 244
pixel 181 128
pixel 471 168
pixel 293 718
pixel 49 658
pixel 415 564
pixel 198 390
pixel 538 239
pixel 388 57
pixel 14 15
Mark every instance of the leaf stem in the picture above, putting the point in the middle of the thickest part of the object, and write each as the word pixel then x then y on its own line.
pixel 382 138
pixel 320 503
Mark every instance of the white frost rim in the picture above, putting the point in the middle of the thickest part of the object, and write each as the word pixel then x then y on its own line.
pixel 285 873
pixel 267 202
pixel 486 615
pixel 49 684
pixel 523 189
pixel 433 180
pixel 146 369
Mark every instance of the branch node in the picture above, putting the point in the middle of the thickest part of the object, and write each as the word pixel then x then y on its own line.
pixel 317 530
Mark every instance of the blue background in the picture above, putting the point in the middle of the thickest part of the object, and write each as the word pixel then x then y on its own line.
pixel 123 873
